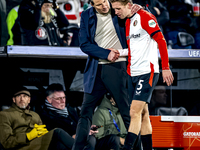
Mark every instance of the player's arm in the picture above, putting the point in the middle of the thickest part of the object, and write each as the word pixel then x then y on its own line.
pixel 162 46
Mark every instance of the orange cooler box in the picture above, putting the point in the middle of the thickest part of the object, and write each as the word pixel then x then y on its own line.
pixel 176 132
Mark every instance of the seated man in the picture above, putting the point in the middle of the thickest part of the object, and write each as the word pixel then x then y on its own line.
pixel 113 131
pixel 57 114
pixel 23 129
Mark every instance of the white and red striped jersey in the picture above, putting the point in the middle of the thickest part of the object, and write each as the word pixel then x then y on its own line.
pixel 144 38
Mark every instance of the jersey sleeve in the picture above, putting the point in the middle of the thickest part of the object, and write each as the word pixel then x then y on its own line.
pixel 123 52
pixel 162 46
pixel 149 23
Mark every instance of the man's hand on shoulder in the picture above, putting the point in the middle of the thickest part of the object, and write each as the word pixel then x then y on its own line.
pixel 135 8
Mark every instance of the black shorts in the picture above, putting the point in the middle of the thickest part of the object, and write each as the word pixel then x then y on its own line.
pixel 141 87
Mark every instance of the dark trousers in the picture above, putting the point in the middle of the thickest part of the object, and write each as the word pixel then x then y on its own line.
pixel 108 142
pixel 61 140
pixel 110 78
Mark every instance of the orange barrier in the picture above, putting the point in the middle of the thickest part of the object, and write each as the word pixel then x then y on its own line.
pixel 176 132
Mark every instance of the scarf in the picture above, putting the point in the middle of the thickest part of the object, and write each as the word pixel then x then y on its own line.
pixel 62 112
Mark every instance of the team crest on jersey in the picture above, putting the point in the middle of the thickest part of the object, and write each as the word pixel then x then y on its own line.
pixel 41 33
pixel 135 23
pixel 152 23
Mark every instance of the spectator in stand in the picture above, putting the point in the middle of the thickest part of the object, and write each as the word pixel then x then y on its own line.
pixel 158 105
pixel 158 99
pixel 22 129
pixel 180 21
pixel 113 131
pixel 3 25
pixel 57 114
pixel 39 23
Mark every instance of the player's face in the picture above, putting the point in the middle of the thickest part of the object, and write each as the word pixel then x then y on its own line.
pixel 101 6
pixel 122 11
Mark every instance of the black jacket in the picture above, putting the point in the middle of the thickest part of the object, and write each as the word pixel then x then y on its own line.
pixel 55 120
pixel 33 30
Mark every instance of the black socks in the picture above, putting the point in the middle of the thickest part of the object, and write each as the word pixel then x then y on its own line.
pixel 131 138
pixel 129 141
pixel 147 141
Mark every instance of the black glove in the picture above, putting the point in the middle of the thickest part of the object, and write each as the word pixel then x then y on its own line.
pixel 39 3
pixel 55 5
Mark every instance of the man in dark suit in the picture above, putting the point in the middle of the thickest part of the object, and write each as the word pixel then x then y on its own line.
pixel 102 37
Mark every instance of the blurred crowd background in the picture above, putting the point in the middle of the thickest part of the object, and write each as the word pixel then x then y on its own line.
pixel 56 22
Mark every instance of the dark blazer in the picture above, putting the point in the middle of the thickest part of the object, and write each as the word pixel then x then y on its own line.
pixel 90 47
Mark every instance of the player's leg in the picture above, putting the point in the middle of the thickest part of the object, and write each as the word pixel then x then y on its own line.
pixel 140 90
pixel 146 124
pixel 90 101
pixel 146 130
pixel 136 110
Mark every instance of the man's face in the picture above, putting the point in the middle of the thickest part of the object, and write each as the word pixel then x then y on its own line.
pixel 112 101
pixel 101 6
pixel 21 100
pixel 57 99
pixel 46 6
pixel 161 96
pixel 122 11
